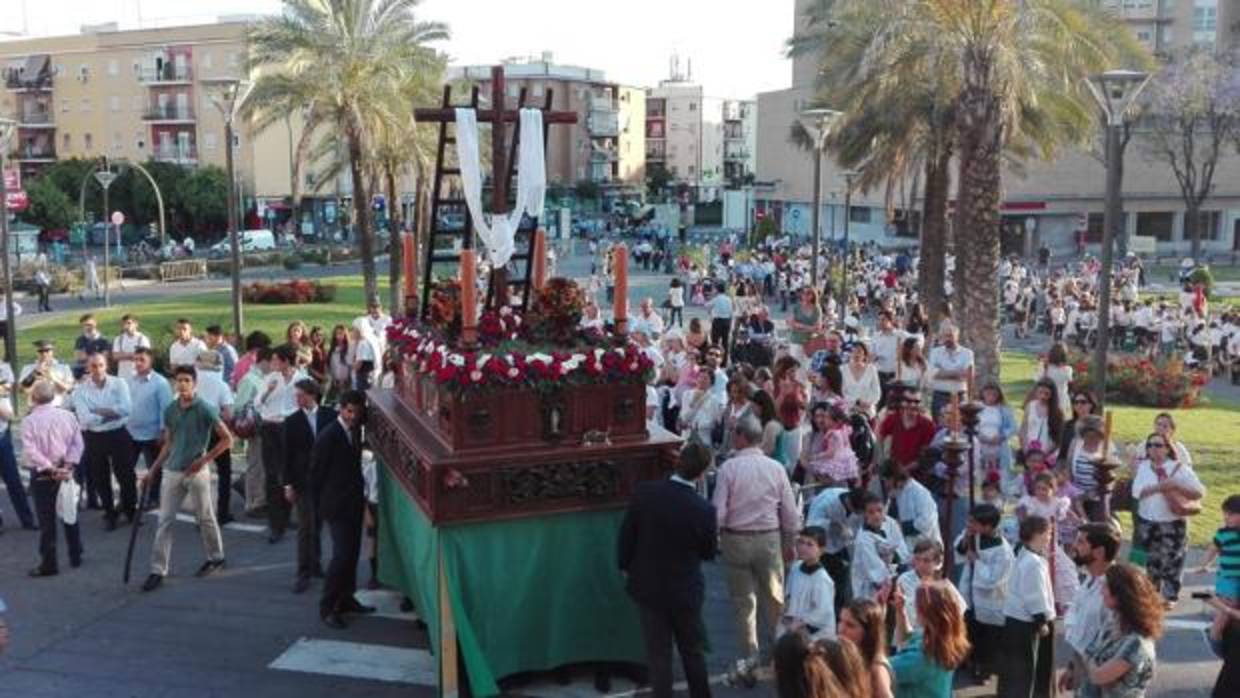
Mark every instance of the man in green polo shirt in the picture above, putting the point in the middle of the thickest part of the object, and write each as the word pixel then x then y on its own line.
pixel 188 425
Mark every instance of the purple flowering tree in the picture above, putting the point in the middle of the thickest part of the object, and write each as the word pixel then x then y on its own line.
pixel 1192 115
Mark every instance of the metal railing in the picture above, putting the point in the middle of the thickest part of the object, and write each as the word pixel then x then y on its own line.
pixel 35 153
pixel 16 81
pixel 35 118
pixel 169 113
pixel 184 270
pixel 176 153
pixel 168 73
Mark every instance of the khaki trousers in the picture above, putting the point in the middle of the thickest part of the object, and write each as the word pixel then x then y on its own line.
pixel 754 566
pixel 172 493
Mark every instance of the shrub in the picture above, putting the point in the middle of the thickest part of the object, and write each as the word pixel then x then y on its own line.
pixel 295 292
pixel 1138 380
pixel 1203 276
pixel 292 262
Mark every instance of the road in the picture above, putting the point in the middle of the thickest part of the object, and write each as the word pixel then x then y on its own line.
pixel 84 633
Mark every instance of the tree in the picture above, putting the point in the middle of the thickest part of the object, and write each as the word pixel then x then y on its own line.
pixel 49 207
pixel 345 60
pixel 587 190
pixel 1192 114
pixel 1012 74
pixel 203 196
pixel 658 178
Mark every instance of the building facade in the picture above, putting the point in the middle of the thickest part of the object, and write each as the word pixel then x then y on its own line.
pixel 1058 204
pixel 604 146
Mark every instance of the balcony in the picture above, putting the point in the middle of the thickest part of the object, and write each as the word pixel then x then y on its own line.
pixel 38 119
pixel 169 74
pixel 604 123
pixel 170 114
pixel 35 153
pixel 15 80
pixel 736 154
pixel 176 154
pixel 656 151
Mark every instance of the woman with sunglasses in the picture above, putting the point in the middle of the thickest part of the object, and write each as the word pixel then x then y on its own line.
pixel 1166 490
pixel 1083 405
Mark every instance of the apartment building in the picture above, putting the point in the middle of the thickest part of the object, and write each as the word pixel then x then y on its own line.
pixel 139 95
pixel 1045 203
pixel 739 140
pixel 604 146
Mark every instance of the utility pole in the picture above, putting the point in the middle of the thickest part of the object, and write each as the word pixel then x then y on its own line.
pixel 849 177
pixel 823 120
pixel 234 91
pixel 8 128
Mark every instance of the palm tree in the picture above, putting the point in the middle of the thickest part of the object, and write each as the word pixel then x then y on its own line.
pixel 346 60
pixel 1011 76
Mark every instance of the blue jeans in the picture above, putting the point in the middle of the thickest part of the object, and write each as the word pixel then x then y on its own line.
pixel 13 481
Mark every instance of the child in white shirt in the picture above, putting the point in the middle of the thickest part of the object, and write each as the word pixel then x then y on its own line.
pixel 927 567
pixel 987 560
pixel 1029 616
pixel 809 593
pixel 878 547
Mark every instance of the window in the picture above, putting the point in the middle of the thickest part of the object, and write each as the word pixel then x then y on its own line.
pixel 113 67
pixel 859 214
pixel 83 72
pixel 692 106
pixel 208 141
pixel 87 142
pixel 65 141
pixel 206 59
pixel 1143 37
pixel 234 59
pixel 1094 228
pixel 1156 224
pixel 114 103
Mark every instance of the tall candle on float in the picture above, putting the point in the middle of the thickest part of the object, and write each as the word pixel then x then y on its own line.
pixel 469 298
pixel 539 261
pixel 620 265
pixel 409 253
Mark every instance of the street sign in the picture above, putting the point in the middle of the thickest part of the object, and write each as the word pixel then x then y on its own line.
pixel 16 200
pixel 12 179
pixel 117 218
pixel 105 178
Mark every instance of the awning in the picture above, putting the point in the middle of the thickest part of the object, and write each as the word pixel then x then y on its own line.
pixel 35 66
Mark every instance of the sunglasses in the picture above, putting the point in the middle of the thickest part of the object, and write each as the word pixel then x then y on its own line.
pixel 1156 444
pixel 1082 401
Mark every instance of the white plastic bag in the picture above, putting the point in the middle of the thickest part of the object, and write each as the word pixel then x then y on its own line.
pixel 67 501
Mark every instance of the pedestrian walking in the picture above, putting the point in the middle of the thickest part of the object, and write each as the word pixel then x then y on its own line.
pixel 339 492
pixel 301 430
pixel 52 447
pixel 190 422
pixel 43 288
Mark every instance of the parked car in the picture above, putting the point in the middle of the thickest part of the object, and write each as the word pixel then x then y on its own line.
pixel 260 240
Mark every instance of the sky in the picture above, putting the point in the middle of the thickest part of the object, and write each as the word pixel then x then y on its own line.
pixel 735 46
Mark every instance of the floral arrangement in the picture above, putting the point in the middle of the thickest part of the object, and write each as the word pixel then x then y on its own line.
pixel 1138 380
pixel 557 311
pixel 445 306
pixel 295 292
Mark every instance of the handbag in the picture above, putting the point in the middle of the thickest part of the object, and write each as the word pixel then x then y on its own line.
pixel 245 424
pixel 1180 504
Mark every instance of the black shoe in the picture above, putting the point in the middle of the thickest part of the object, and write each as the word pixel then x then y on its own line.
pixel 75 562
pixel 40 572
pixel 275 537
pixel 152 582
pixel 30 527
pixel 317 572
pixel 209 568
pixel 373 584
pixel 335 620
pixel 130 516
pixel 301 585
pixel 354 607
pixel 109 522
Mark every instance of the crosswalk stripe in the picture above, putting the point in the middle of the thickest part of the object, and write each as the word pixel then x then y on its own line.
pixel 358 660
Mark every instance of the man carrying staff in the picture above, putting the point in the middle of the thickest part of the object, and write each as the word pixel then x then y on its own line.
pixel 189 423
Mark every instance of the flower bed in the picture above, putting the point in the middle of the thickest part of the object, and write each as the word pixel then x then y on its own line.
pixel 1138 380
pixel 295 292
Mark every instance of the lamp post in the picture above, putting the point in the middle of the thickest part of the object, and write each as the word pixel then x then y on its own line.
pixel 8 128
pixel 849 177
pixel 105 177
pixel 228 99
pixel 823 120
pixel 1115 92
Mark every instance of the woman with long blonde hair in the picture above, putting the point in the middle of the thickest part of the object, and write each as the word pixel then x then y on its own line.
pixel 927 660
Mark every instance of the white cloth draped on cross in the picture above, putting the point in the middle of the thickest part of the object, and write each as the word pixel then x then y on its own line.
pixel 499 233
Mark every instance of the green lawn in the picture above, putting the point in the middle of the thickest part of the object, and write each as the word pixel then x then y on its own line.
pixel 158 316
pixel 1170 272
pixel 1208 431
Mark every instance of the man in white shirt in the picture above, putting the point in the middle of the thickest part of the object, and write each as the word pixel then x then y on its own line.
pixel 379 322
pixel 885 349
pixel 277 400
pixel 102 405
pixel 125 344
pixel 951 368
pixel 213 389
pixel 1094 551
pixel 46 367
pixel 721 309
pixel 185 350
pixel 647 320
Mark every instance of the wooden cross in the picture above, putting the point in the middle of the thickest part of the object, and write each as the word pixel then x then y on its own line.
pixel 501 163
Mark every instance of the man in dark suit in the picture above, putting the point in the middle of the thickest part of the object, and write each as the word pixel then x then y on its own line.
pixel 300 431
pixel 667 532
pixel 339 492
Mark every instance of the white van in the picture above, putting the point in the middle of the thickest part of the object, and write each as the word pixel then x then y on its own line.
pixel 259 240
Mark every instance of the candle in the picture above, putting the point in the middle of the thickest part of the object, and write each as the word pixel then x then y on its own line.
pixel 469 300
pixel 409 257
pixel 620 265
pixel 1106 434
pixel 540 259
pixel 955 414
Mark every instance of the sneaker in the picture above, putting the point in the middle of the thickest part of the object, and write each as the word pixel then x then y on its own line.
pixel 209 568
pixel 152 582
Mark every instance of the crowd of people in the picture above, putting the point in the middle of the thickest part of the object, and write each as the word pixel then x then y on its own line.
pixel 124 428
pixel 836 499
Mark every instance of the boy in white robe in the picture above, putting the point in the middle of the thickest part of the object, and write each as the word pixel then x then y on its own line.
pixel 878 548
pixel 988 560
pixel 809 598
pixel 912 506
pixel 1027 642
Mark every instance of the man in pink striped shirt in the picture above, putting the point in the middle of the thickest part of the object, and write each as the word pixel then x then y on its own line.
pixel 757 516
pixel 51 449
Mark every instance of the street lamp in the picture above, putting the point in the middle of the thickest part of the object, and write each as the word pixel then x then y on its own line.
pixel 105 177
pixel 850 176
pixel 822 119
pixel 1115 91
pixel 228 98
pixel 8 128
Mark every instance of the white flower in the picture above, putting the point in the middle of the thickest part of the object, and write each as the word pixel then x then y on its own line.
pixel 598 354
pixel 456 360
pixel 572 364
pixel 542 358
pixel 579 357
pixel 513 372
pixel 482 360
